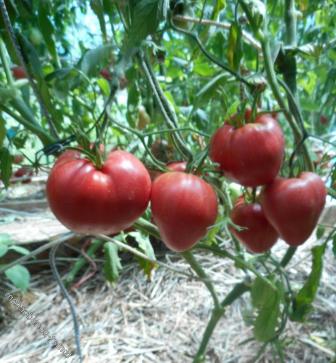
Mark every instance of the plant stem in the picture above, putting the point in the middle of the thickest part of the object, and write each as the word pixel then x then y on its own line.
pixel 223 25
pixel 36 129
pixel 64 237
pixel 216 315
pixel 4 61
pixel 165 107
pixel 189 257
pixel 223 253
pixel 17 49
pixel 288 256
pixel 290 20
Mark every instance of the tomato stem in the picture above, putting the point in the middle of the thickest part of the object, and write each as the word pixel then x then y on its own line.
pixel 216 314
pixel 189 257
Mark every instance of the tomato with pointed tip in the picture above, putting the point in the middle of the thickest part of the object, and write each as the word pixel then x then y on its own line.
pixel 89 200
pixel 293 206
pixel 251 154
pixel 183 207
pixel 257 234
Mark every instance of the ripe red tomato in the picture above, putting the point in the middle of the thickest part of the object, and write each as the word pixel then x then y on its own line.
pixel 293 206
pixel 89 200
pixel 24 173
pixel 259 236
pixel 183 207
pixel 19 72
pixel 252 154
pixel 105 73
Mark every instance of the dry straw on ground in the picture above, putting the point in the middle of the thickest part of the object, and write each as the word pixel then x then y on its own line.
pixel 162 320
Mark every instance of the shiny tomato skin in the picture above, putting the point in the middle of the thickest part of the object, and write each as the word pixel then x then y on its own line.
pixel 173 166
pixel 19 72
pixel 258 236
pixel 92 201
pixel 177 166
pixel 183 207
pixel 252 154
pixel 293 206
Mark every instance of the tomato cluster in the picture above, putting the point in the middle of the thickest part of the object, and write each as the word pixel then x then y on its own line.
pixel 109 199
pixel 251 155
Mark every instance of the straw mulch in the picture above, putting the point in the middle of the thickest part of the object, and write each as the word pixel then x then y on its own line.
pixel 162 320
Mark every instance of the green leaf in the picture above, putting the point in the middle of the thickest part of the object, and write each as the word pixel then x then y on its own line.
pixel 146 247
pixel 145 19
pixel 266 299
pixel 36 68
pixel 144 244
pixel 320 232
pixel 334 245
pixel 5 166
pixel 305 297
pixel 267 320
pixel 210 87
pixel 19 249
pixel 94 59
pixel 47 28
pixel 108 6
pixel 203 69
pixel 234 52
pixel 112 264
pixel 2 131
pixel 261 293
pixel 19 276
pixel 219 5
pixel 104 86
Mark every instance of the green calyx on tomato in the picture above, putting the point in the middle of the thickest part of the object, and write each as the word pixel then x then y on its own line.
pixel 108 200
pixel 252 154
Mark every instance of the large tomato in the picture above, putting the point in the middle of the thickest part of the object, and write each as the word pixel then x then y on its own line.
pixel 258 235
pixel 293 206
pixel 89 200
pixel 252 154
pixel 183 207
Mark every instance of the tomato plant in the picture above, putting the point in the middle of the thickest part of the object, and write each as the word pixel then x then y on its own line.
pixel 241 92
